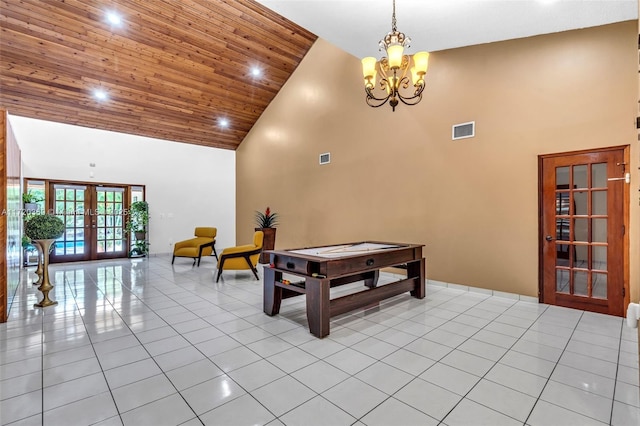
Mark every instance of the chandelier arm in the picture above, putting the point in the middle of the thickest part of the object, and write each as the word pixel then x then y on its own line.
pixel 371 104
pixel 412 100
pixel 370 95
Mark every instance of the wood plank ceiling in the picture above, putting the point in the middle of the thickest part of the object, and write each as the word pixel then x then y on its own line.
pixel 172 70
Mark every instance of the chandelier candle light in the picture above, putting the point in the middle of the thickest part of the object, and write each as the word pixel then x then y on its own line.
pixel 393 71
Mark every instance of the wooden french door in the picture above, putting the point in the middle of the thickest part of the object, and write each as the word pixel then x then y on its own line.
pixel 584 216
pixel 94 221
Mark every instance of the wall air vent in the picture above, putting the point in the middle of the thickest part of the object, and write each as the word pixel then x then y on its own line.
pixel 463 130
pixel 325 158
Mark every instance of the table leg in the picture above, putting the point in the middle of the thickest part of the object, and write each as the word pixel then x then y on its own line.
pixel 318 313
pixel 272 294
pixel 372 280
pixel 416 269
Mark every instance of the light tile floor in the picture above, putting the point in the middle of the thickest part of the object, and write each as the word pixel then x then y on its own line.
pixel 139 342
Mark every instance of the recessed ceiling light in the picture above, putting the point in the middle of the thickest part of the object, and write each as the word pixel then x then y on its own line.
pixel 100 95
pixel 114 18
pixel 223 122
pixel 256 72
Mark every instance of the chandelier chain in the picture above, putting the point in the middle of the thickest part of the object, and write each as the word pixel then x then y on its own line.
pixel 394 25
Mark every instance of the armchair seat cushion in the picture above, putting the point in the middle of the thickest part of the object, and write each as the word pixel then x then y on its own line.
pixel 202 245
pixel 241 257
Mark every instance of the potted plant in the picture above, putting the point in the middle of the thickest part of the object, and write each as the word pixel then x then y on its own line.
pixel 31 201
pixel 266 222
pixel 137 225
pixel 44 229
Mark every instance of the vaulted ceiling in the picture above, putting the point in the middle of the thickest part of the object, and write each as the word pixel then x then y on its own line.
pixel 179 69
pixel 171 69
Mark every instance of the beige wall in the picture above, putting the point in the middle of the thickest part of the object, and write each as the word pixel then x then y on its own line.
pixel 398 176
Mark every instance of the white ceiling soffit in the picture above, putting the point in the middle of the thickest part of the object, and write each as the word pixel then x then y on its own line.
pixel 356 26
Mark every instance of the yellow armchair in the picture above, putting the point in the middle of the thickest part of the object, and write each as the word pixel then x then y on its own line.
pixel 202 245
pixel 242 257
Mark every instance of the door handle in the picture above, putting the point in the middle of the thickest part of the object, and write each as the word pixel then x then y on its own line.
pixel 549 238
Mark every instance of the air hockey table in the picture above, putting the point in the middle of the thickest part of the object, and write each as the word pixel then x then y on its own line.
pixel 320 268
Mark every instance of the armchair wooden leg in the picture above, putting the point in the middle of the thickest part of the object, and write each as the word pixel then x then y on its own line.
pixel 174 258
pixel 253 268
pixel 255 272
pixel 220 268
pixel 214 252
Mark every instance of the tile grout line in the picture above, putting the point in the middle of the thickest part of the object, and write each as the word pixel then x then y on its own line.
pixel 554 369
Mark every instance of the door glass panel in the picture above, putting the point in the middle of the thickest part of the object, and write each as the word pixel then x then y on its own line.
pixel 581 256
pixel 580 177
pixel 562 229
pixel 580 201
pixel 109 220
pixel 599 230
pixel 581 230
pixel 599 289
pixel 580 283
pixel 599 175
pixel 599 257
pixel 562 203
pixel 599 203
pixel 562 177
pixel 562 281
pixel 70 208
pixel 562 254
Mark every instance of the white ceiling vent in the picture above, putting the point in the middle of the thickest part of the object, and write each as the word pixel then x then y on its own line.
pixel 325 158
pixel 463 130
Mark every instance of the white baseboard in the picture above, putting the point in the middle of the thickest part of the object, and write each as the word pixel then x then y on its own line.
pixel 489 292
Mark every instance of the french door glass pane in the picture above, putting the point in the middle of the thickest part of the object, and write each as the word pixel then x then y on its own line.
pixel 599 203
pixel 599 285
pixel 562 281
pixel 581 256
pixel 69 207
pixel 562 203
pixel 599 258
pixel 581 203
pixel 562 254
pixel 581 283
pixel 599 230
pixel 562 177
pixel 599 175
pixel 109 220
pixel 581 230
pixel 580 176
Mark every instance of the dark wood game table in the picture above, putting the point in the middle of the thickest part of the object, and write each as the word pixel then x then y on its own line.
pixel 321 268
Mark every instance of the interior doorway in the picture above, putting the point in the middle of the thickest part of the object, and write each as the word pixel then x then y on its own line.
pixel 94 216
pixel 584 205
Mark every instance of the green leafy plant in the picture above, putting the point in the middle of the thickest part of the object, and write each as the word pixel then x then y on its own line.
pixel 138 216
pixel 30 198
pixel 26 241
pixel 44 227
pixel 268 219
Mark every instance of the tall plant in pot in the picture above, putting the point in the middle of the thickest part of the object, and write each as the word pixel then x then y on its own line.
pixel 43 230
pixel 266 222
pixel 137 222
